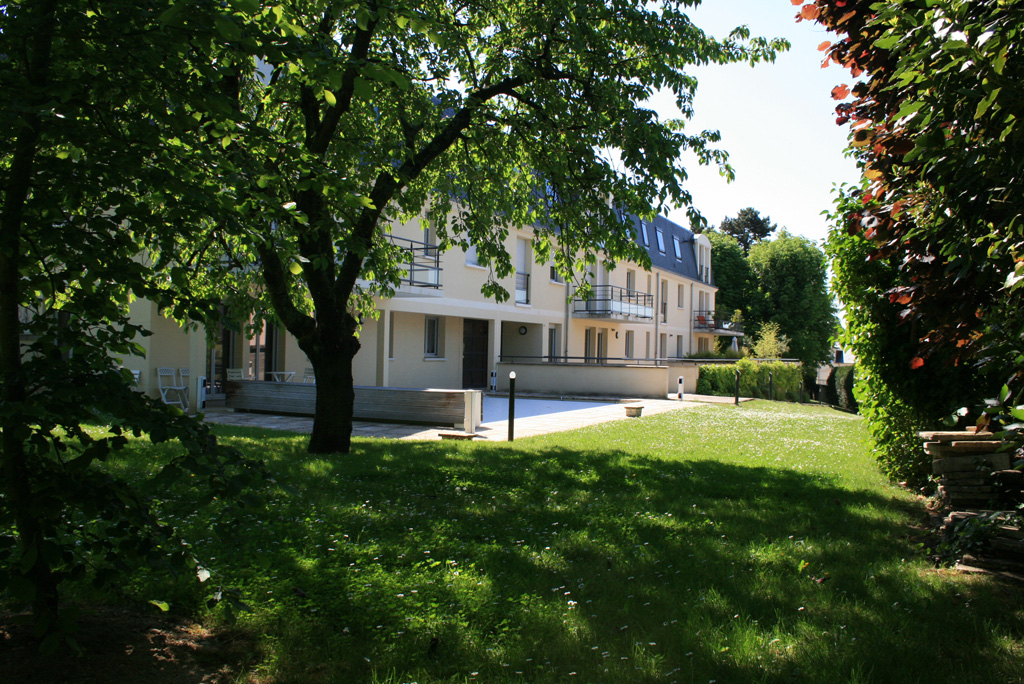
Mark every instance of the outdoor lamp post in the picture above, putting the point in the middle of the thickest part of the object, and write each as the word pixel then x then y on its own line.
pixel 511 405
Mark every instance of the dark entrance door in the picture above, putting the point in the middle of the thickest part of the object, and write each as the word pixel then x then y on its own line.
pixel 474 353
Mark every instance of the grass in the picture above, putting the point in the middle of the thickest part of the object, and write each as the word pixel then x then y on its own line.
pixel 720 544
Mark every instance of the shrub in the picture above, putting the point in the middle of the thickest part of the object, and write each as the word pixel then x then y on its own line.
pixel 839 389
pixel 720 379
pixel 845 377
pixel 894 425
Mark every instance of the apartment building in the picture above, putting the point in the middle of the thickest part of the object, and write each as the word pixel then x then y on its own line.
pixel 439 331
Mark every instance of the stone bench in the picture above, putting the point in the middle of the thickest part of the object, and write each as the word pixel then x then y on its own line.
pixel 462 409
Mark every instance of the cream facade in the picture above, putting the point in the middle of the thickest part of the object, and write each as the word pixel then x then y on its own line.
pixel 439 331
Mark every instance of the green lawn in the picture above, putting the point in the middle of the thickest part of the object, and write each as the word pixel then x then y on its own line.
pixel 720 544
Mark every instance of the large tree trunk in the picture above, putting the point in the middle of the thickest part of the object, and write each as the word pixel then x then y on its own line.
pixel 335 397
pixel 16 453
pixel 331 350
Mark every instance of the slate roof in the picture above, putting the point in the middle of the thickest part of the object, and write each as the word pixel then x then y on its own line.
pixel 667 261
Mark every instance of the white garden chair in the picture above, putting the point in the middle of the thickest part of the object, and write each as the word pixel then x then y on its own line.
pixel 172 390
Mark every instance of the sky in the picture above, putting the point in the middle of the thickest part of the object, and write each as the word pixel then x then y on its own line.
pixel 777 122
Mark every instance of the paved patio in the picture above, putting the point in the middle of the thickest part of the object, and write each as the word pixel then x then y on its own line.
pixel 533 416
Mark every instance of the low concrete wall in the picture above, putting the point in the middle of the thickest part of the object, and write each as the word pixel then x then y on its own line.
pixel 688 370
pixel 586 379
pixel 459 408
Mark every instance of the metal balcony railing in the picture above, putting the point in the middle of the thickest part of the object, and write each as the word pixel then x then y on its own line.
pixel 611 300
pixel 710 320
pixel 522 288
pixel 422 262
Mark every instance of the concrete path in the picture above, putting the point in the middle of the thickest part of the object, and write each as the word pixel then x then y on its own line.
pixel 533 416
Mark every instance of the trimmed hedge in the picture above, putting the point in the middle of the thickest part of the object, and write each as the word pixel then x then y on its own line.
pixel 720 379
pixel 839 390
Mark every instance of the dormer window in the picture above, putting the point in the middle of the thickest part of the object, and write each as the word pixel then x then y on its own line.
pixel 661 240
pixel 643 234
pixel 678 248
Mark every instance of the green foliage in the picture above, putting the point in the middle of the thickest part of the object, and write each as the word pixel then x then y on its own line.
pixel 792 291
pixel 732 274
pixel 839 390
pixel 894 425
pixel 98 179
pixel 720 379
pixel 748 228
pixel 939 213
pixel 770 342
pixel 886 347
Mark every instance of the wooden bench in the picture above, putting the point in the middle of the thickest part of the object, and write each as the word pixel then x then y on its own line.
pixel 461 409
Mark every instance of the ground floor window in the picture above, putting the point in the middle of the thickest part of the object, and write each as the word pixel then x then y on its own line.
pixel 432 337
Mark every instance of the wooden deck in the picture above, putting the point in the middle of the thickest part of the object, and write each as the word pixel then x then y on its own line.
pixel 457 408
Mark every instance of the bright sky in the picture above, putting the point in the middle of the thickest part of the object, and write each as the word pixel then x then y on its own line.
pixel 777 122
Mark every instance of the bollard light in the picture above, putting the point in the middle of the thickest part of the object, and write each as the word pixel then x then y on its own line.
pixel 680 388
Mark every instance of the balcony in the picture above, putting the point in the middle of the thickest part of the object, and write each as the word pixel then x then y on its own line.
pixel 422 263
pixel 718 323
pixel 522 288
pixel 611 301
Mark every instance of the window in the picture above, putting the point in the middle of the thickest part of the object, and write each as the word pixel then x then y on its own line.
pixel 661 240
pixel 432 337
pixel 556 277
pixel 471 257
pixel 679 346
pixel 553 343
pixel 677 248
pixel 629 344
pixel 680 295
pixel 643 234
pixel 391 334
pixel 664 305
pixel 631 280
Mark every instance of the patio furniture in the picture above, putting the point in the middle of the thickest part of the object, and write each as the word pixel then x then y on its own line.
pixel 281 376
pixel 308 376
pixel 172 390
pixel 235 374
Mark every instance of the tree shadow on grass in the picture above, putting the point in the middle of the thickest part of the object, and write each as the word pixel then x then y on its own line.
pixel 436 562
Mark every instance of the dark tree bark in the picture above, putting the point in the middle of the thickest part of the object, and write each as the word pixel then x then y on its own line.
pixel 335 394
pixel 16 455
